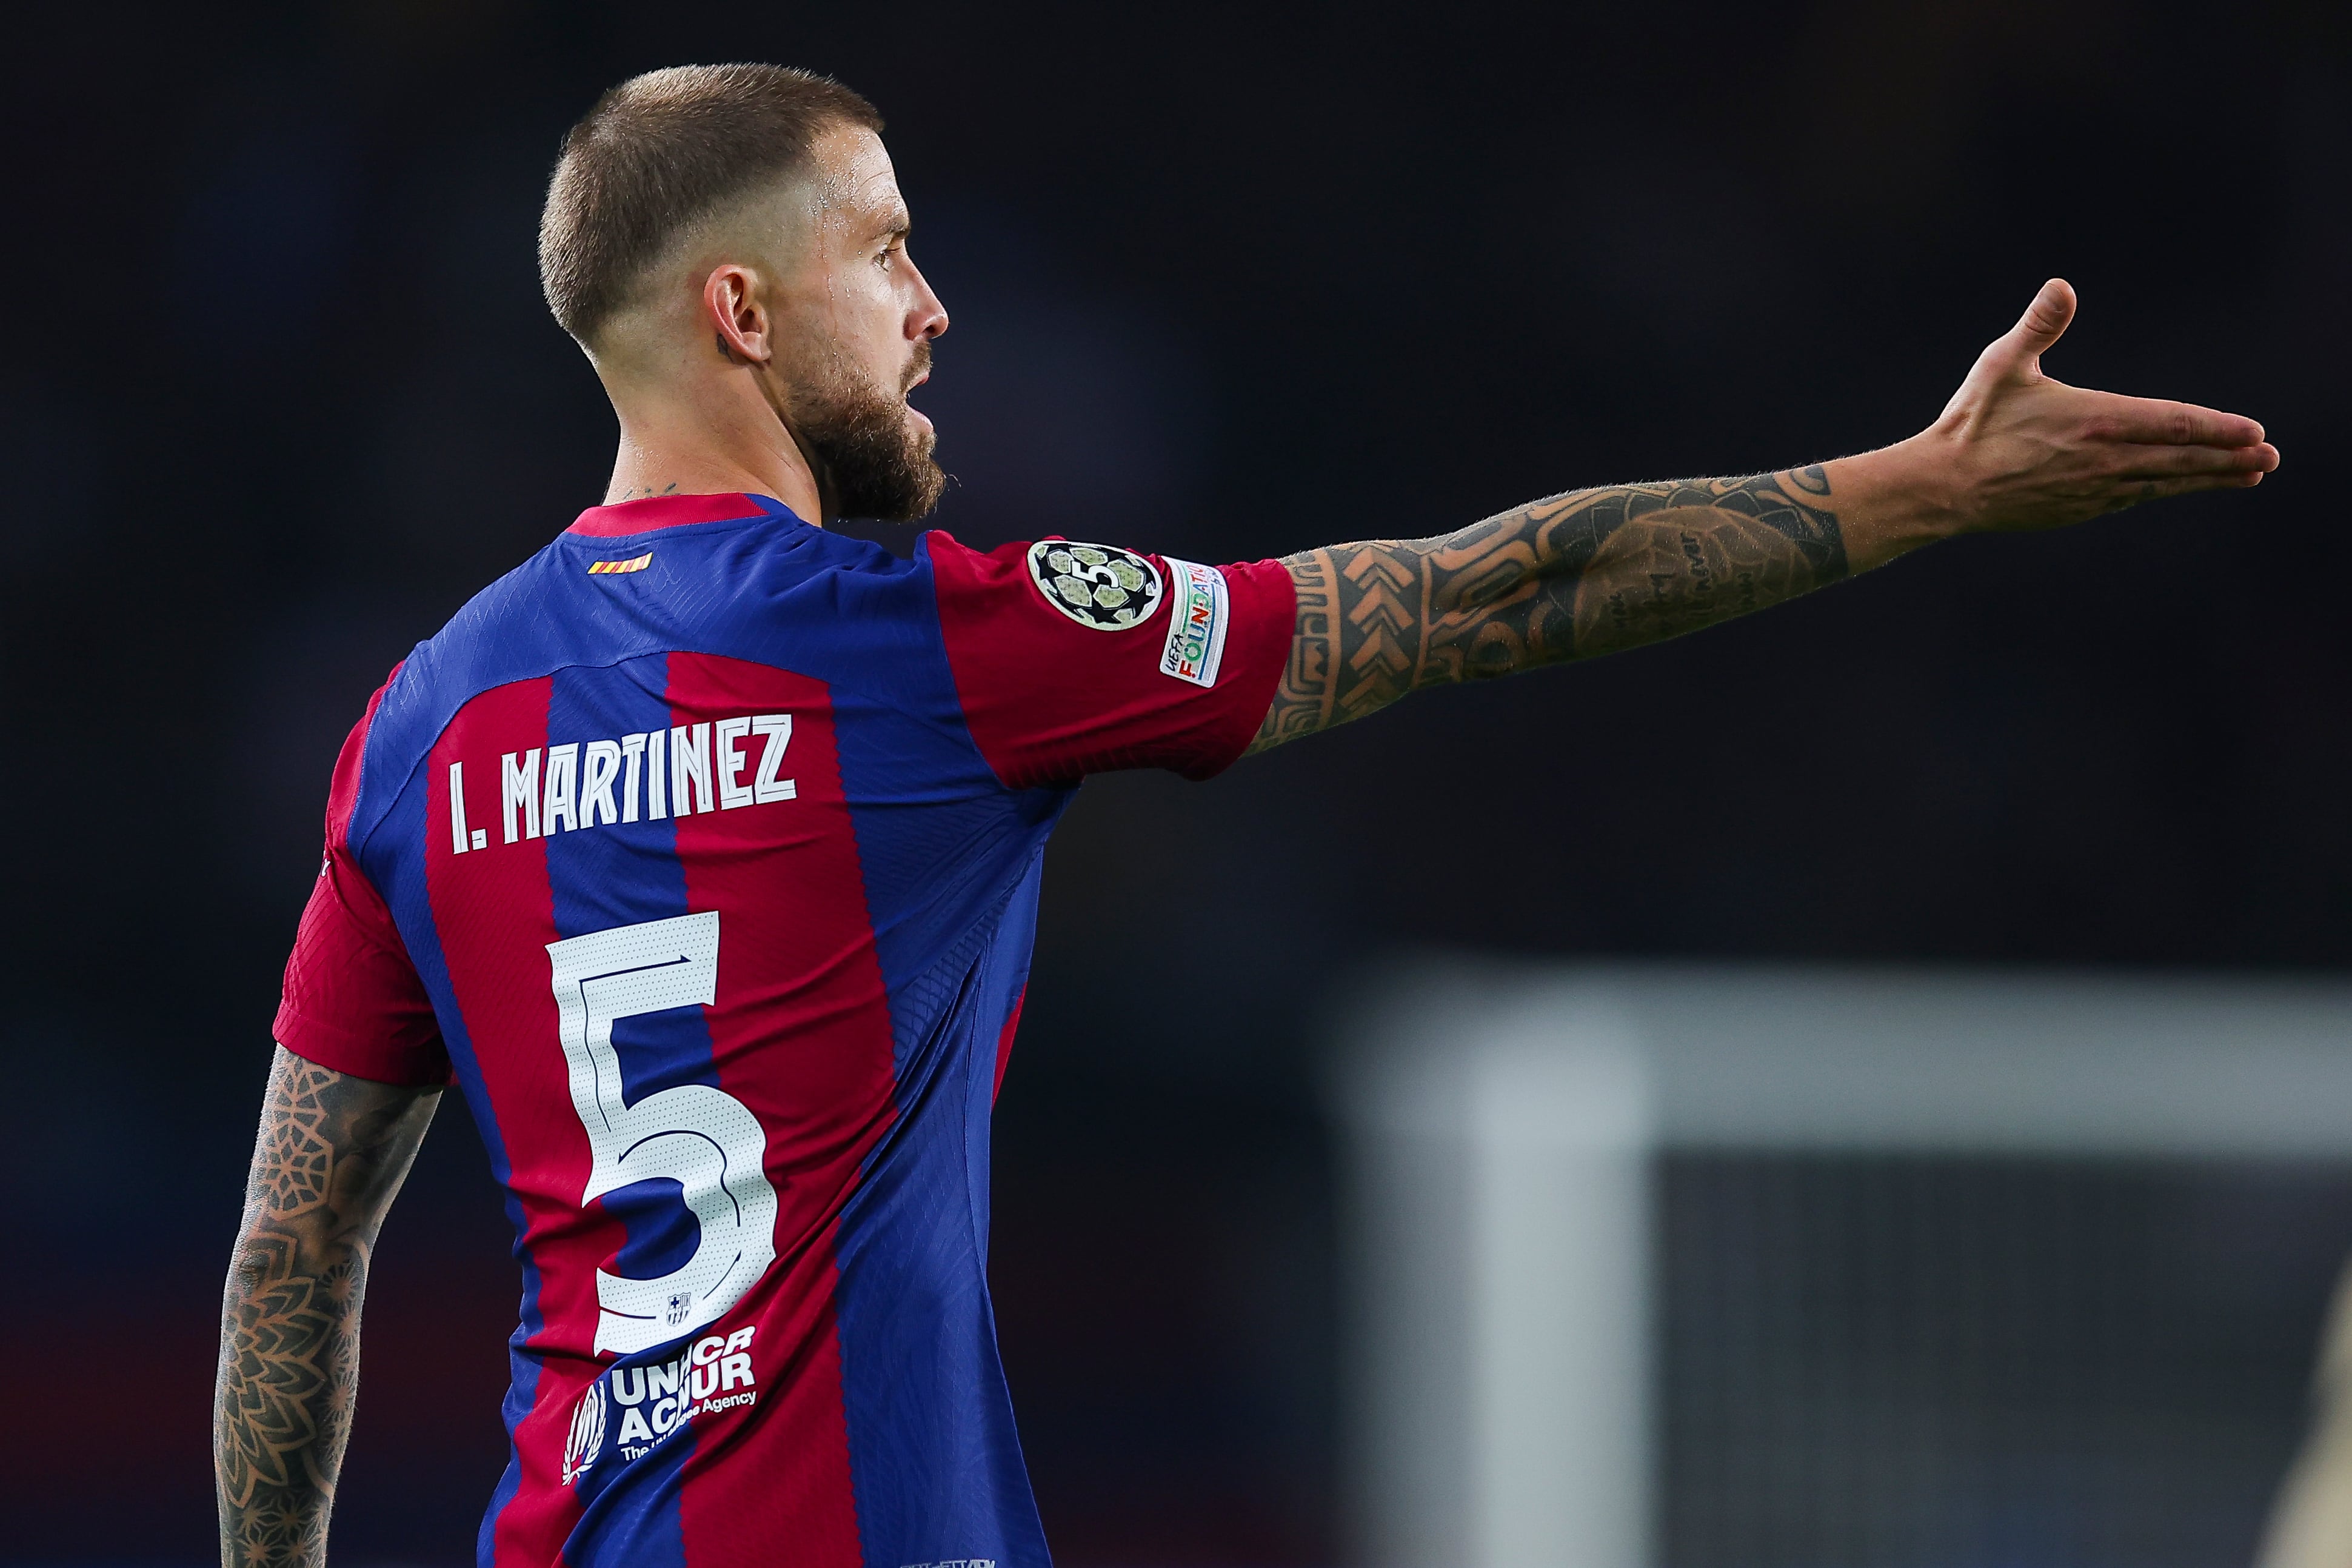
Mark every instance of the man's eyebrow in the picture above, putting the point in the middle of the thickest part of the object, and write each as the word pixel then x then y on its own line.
pixel 899 224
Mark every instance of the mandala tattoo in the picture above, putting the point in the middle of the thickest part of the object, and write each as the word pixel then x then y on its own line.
pixel 331 1155
pixel 295 1130
pixel 1570 577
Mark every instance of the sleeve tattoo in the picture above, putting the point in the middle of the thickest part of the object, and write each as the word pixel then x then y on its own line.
pixel 331 1157
pixel 1568 578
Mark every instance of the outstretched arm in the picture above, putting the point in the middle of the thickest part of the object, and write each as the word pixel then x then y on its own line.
pixel 331 1155
pixel 1596 570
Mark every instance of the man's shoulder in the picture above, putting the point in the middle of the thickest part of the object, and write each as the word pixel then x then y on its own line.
pixel 600 599
pixel 762 588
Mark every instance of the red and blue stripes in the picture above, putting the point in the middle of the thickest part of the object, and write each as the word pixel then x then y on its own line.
pixel 875 929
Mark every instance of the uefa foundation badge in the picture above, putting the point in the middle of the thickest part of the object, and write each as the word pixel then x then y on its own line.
pixel 1196 626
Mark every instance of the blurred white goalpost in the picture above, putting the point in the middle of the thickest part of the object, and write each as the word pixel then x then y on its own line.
pixel 1501 1127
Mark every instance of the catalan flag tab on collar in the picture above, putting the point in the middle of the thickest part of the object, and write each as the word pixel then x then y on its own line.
pixel 634 563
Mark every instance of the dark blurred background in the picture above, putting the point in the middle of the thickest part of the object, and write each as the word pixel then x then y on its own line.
pixel 277 394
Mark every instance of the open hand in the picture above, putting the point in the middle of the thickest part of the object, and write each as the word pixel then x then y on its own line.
pixel 2020 451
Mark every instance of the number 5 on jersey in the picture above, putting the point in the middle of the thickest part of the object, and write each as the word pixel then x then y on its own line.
pixel 702 1138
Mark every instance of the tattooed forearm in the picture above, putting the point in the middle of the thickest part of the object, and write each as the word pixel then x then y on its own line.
pixel 331 1157
pixel 1585 573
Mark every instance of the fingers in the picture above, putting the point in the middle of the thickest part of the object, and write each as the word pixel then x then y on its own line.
pixel 2159 422
pixel 2043 323
pixel 2132 493
pixel 2168 462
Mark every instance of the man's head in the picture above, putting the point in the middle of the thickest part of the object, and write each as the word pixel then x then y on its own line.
pixel 744 220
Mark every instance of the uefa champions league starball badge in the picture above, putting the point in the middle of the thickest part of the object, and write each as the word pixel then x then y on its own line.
pixel 1099 586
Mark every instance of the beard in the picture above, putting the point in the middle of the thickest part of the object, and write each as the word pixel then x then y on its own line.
pixel 876 462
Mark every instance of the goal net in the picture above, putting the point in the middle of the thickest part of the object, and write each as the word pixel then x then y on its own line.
pixel 1749 1268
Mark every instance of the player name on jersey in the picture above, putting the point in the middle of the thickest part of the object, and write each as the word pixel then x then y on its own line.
pixel 679 771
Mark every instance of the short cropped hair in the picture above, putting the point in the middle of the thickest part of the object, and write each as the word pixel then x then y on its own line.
pixel 659 152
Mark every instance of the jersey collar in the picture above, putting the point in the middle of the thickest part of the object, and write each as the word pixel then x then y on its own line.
pixel 671 512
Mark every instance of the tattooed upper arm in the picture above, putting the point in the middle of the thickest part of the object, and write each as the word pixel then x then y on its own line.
pixel 331 1157
pixel 1569 576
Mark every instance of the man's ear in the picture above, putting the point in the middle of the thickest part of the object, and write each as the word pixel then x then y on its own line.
pixel 730 298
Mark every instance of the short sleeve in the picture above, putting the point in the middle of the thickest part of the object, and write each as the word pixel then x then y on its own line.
pixel 1072 658
pixel 353 1001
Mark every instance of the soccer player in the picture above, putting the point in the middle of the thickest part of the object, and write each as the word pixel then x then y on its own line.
pixel 701 851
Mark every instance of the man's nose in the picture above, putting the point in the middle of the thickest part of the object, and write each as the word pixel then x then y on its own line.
pixel 928 319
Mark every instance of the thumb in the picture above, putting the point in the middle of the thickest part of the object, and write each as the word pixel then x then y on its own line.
pixel 2043 323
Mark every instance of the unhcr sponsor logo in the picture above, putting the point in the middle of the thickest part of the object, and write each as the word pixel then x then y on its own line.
pixel 580 1449
pixel 711 1375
